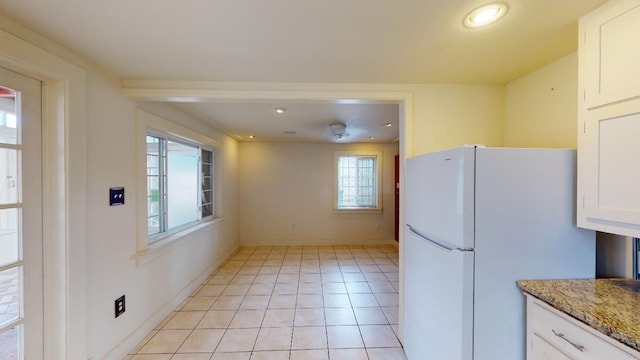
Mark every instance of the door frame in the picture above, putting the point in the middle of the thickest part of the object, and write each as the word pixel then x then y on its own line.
pixel 204 91
pixel 64 168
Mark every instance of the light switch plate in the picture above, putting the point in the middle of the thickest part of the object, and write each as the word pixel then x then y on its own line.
pixel 116 196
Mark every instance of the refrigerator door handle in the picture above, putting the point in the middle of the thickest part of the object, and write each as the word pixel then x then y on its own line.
pixel 424 237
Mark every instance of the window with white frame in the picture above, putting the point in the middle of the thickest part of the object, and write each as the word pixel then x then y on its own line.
pixel 180 184
pixel 177 185
pixel 358 180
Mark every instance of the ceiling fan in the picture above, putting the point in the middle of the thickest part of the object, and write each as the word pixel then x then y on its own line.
pixel 338 130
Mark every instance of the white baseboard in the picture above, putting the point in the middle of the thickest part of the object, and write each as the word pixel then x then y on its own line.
pixel 130 341
pixel 316 242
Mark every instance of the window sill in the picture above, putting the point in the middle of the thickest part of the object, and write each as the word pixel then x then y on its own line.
pixel 357 211
pixel 172 241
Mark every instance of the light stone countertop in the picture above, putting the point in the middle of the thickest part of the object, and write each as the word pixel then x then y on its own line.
pixel 610 306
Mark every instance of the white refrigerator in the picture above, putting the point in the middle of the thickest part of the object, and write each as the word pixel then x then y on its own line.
pixel 477 220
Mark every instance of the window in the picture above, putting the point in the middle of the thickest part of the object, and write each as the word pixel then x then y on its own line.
pixel 358 180
pixel 179 184
pixel 206 157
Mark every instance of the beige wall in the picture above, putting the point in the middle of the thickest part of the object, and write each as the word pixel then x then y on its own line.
pixel 446 116
pixel 443 116
pixel 154 288
pixel 286 196
pixel 541 108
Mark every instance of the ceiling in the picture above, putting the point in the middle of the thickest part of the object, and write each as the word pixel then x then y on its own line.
pixel 305 41
pixel 301 121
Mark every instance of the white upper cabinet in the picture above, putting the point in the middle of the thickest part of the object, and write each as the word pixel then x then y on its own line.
pixel 611 53
pixel 609 119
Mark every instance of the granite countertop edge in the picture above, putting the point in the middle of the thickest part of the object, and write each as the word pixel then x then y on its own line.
pixel 585 299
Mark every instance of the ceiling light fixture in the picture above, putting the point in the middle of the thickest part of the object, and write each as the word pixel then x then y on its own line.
pixel 485 15
pixel 387 125
pixel 338 130
pixel 251 137
pixel 371 138
pixel 280 110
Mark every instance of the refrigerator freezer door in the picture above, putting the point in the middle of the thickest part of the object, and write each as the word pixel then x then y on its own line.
pixel 438 301
pixel 440 196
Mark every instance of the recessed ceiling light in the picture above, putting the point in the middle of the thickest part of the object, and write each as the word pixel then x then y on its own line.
pixel 251 137
pixel 280 110
pixel 371 138
pixel 387 125
pixel 485 15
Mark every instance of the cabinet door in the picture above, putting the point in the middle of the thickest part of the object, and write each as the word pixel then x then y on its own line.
pixel 542 350
pixel 608 172
pixel 609 119
pixel 610 53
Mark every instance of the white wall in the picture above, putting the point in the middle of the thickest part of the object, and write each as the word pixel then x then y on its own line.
pixel 152 289
pixel 286 196
pixel 541 108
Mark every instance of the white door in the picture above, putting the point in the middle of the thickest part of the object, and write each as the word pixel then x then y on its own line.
pixel 21 271
pixel 438 301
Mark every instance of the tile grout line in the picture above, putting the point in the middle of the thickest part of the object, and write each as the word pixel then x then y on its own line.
pixel 295 258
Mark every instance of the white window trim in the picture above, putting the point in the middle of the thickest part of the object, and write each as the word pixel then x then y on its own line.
pixel 145 123
pixel 379 169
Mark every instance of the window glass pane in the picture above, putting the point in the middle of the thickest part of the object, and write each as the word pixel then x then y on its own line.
pixel 153 164
pixel 153 203
pixel 10 343
pixel 207 210
pixel 206 196
pixel 207 183
pixel 357 182
pixel 153 225
pixel 10 293
pixel 9 237
pixel 9 176
pixel 153 186
pixel 206 170
pixel 8 119
pixel 207 157
pixel 182 184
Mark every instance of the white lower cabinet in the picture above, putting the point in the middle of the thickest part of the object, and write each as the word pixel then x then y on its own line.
pixel 553 335
pixel 542 350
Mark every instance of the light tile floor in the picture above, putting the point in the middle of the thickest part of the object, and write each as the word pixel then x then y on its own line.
pixel 293 303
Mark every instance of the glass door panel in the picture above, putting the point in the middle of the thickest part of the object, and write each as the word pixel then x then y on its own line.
pixel 21 284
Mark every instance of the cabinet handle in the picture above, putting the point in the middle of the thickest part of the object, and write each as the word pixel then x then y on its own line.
pixel 561 336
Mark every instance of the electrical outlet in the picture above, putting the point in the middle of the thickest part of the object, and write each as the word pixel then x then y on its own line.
pixel 120 306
